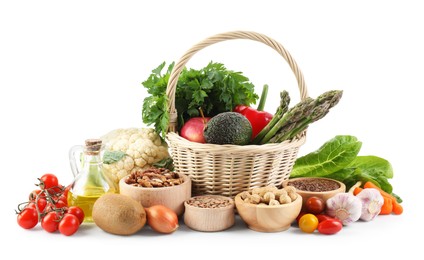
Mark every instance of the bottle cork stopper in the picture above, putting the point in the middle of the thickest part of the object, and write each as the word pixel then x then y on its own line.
pixel 93 146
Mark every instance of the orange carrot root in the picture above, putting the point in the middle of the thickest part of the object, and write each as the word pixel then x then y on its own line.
pixel 394 206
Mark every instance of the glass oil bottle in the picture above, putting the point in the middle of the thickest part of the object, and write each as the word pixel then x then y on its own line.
pixel 89 180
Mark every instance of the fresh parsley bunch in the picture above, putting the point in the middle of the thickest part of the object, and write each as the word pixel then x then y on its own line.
pixel 214 89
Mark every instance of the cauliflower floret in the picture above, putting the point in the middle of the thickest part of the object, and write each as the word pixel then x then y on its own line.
pixel 142 148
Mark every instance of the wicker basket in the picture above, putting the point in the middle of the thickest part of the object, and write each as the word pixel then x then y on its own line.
pixel 230 169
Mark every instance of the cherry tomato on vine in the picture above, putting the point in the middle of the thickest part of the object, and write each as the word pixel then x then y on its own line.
pixel 50 222
pixel 42 203
pixel 69 224
pixel 61 204
pixel 50 181
pixel 33 195
pixel 330 226
pixel 315 205
pixel 308 223
pixel 76 211
pixel 64 199
pixel 28 218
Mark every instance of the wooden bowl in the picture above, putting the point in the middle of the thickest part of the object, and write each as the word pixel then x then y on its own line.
pixel 171 197
pixel 209 219
pixel 265 218
pixel 324 195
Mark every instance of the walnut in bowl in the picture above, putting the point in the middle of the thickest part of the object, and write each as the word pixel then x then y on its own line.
pixel 157 186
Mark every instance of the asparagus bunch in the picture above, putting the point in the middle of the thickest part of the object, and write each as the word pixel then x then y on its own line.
pixel 281 110
pixel 285 126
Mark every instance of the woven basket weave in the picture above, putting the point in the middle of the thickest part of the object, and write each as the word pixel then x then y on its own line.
pixel 230 169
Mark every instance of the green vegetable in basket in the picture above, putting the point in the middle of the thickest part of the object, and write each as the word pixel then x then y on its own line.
pixel 286 125
pixel 338 159
pixel 214 89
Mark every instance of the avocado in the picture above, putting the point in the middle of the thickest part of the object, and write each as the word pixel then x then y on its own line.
pixel 228 128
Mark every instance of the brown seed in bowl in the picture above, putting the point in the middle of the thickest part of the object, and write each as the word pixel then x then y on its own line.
pixel 210 202
pixel 315 185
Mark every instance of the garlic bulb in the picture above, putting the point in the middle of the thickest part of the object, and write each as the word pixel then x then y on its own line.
pixel 372 201
pixel 344 206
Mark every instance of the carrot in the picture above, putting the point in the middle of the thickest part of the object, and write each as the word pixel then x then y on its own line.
pixel 396 207
pixel 387 207
pixel 357 190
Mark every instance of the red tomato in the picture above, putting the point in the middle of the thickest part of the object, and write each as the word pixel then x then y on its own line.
pixel 64 199
pixel 322 217
pixel 315 205
pixel 329 226
pixel 50 222
pixel 42 203
pixel 68 225
pixel 28 218
pixel 60 204
pixel 78 212
pixel 33 195
pixel 299 216
pixel 66 190
pixel 50 182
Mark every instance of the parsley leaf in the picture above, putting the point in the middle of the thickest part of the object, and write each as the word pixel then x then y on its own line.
pixel 213 88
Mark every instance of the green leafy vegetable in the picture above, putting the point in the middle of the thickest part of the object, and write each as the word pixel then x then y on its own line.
pixel 370 168
pixel 214 89
pixel 332 156
pixel 110 157
pixel 337 159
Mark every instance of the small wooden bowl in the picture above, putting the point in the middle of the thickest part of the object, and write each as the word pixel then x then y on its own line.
pixel 171 197
pixel 209 219
pixel 324 195
pixel 265 218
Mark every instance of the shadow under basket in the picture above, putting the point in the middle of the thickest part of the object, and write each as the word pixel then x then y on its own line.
pixel 230 169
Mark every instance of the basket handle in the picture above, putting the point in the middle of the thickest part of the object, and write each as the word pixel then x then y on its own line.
pixel 179 66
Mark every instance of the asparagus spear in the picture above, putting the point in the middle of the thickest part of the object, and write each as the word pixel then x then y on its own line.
pixel 282 109
pixel 294 114
pixel 321 106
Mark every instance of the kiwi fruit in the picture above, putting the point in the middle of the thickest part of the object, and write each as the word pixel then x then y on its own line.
pixel 118 214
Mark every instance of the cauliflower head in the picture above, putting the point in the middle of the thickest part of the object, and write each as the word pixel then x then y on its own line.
pixel 139 149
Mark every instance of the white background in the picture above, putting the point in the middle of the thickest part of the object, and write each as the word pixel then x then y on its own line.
pixel 71 70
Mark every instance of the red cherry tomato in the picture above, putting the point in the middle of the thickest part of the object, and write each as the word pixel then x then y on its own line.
pixel 50 222
pixel 28 218
pixel 299 216
pixel 42 203
pixel 33 195
pixel 315 205
pixel 64 199
pixel 50 183
pixel 68 225
pixel 61 204
pixel 329 226
pixel 322 217
pixel 78 212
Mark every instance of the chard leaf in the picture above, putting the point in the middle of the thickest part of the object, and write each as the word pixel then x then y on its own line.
pixel 374 169
pixel 373 165
pixel 343 174
pixel 110 157
pixel 332 156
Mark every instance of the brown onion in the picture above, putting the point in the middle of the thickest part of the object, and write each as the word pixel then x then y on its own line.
pixel 162 219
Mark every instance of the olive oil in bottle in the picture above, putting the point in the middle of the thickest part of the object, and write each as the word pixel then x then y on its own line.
pixel 89 183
